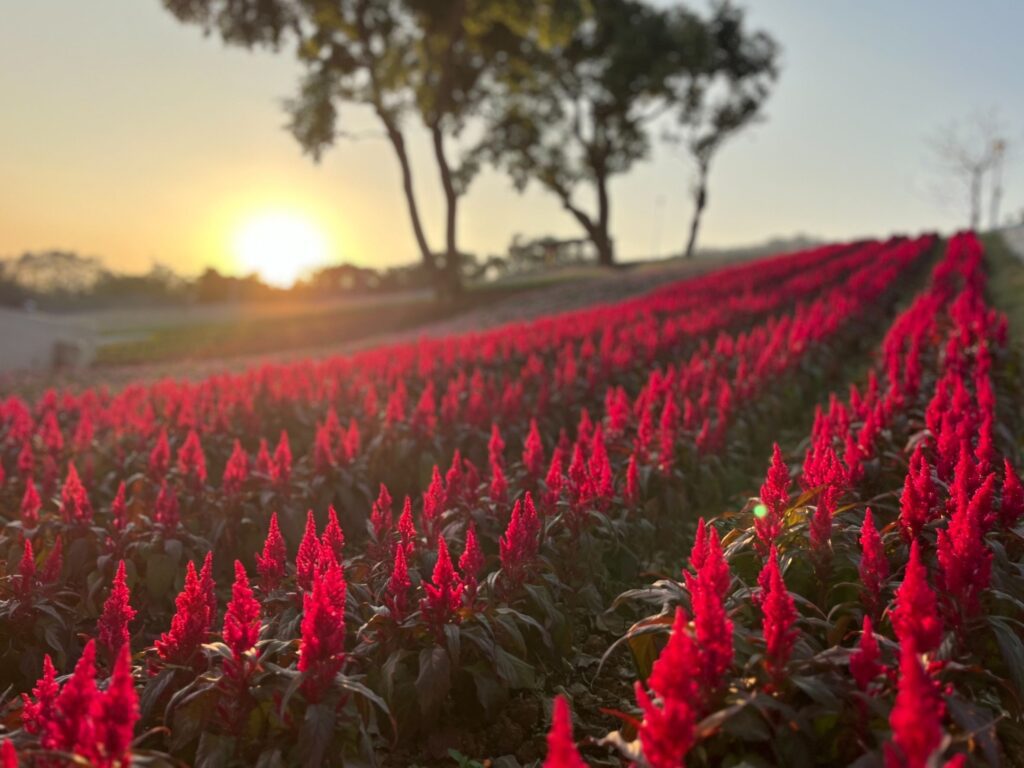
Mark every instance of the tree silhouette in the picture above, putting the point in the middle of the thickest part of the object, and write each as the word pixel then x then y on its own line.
pixel 575 114
pixel 429 59
pixel 723 100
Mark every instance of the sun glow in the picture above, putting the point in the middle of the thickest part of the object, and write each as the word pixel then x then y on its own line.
pixel 280 247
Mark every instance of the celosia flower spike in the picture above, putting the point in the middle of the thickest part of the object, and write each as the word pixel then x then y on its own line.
pixel 562 752
pixel 916 718
pixel 112 629
pixel 271 564
pixel 915 617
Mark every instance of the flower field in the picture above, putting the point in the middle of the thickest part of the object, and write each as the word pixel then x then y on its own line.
pixel 407 555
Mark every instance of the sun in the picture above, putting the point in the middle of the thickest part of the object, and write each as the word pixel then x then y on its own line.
pixel 280 247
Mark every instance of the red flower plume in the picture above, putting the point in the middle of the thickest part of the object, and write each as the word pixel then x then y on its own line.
pixel 915 617
pixel 112 629
pixel 271 564
pixel 562 752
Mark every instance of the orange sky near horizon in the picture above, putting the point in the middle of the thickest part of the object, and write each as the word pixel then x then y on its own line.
pixel 128 136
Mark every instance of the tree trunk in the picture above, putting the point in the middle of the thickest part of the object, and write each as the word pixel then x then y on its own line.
pixel 700 199
pixel 450 284
pixel 398 144
pixel 603 242
pixel 977 175
pixel 605 249
pixel 598 237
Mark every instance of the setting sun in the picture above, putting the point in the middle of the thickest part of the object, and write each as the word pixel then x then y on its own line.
pixel 280 247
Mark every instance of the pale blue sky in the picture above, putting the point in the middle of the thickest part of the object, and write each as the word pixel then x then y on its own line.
pixel 126 135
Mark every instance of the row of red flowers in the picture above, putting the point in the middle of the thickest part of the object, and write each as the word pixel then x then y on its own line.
pixel 765 671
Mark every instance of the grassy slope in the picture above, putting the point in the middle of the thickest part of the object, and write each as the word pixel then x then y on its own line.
pixel 1006 282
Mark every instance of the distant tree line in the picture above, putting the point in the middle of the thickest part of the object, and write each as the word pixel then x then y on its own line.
pixel 563 94
pixel 64 281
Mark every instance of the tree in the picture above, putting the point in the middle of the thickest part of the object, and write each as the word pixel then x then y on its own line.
pixel 432 59
pixel 721 101
pixel 573 115
pixel 968 152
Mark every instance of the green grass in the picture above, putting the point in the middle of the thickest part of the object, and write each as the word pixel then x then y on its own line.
pixel 1006 282
pixel 266 334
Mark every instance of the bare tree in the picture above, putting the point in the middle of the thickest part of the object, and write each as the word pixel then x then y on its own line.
pixel 970 151
pixel 726 98
pixel 999 148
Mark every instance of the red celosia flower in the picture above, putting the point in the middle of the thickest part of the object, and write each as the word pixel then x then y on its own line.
pixel 471 562
pixel 308 556
pixel 394 411
pixel 667 435
pixel 916 718
pixel 964 557
pixel 874 566
pixel 713 629
pixel 444 595
pixel 242 620
pixel 322 645
pixel 433 504
pixel 191 621
pixel 112 629
pixel 864 664
pixel 37 711
pixel 827 475
pixel 915 616
pixel 1012 505
pixel 271 563
pixel 454 482
pixel 381 514
pixel 470 482
pixel 632 495
pixel 160 457
pixel 191 460
pixel 236 471
pixel 985 451
pixel 283 461
pixel 119 509
pixel 667 731
pixel 699 552
pixel 118 713
pixel 406 528
pixel 397 595
pixel 496 447
pixel 333 537
pixel 166 510
pixel 779 619
pixel 518 546
pixel 26 460
pixel 30 505
pixel 75 506
pixel 424 417
pixel 26 571
pixel 352 441
pixel 499 485
pixel 323 451
pixel 73 727
pixel 533 451
pixel 775 497
pixel 8 754
pixel 264 465
pixel 562 752
pixel 599 469
pixel 708 561
pixel 553 481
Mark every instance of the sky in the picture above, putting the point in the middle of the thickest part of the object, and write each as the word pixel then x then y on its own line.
pixel 129 136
